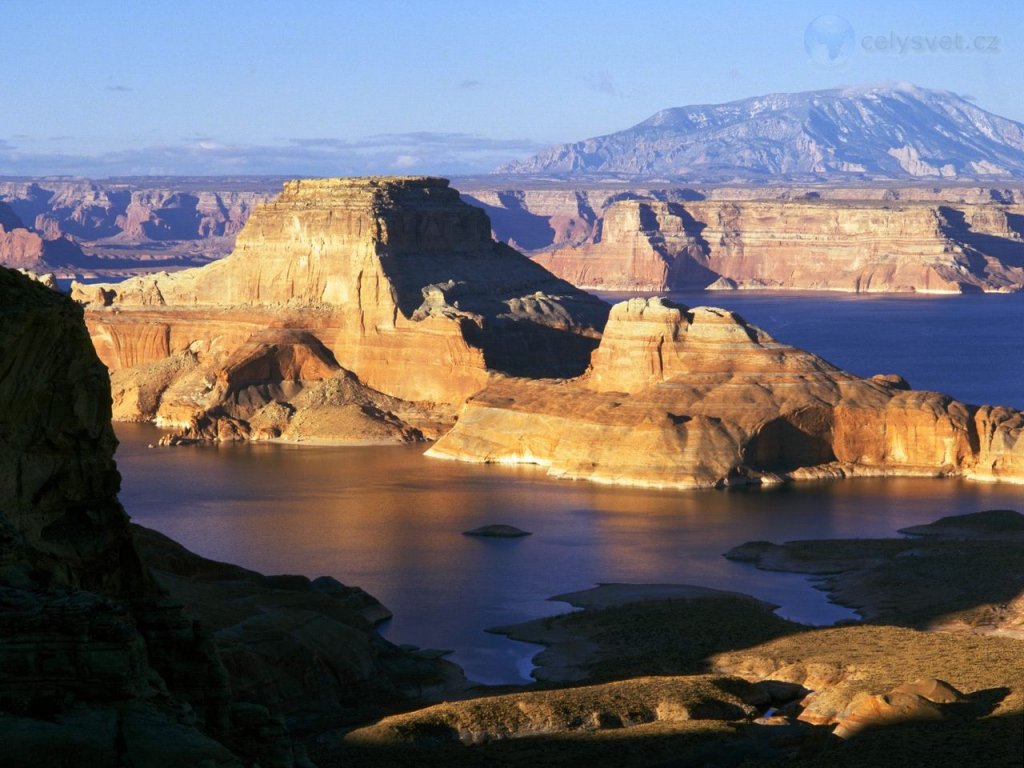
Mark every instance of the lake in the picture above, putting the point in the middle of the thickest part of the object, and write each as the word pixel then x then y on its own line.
pixel 389 520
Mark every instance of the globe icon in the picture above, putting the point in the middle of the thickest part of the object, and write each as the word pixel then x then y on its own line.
pixel 828 41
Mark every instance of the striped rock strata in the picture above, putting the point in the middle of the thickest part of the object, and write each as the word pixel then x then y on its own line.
pixel 660 245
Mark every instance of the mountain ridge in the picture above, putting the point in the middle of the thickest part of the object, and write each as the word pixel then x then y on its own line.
pixel 884 132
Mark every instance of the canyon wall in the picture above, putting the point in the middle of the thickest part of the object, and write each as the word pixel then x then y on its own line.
pixel 24 248
pixel 96 663
pixel 685 398
pixel 662 241
pixel 397 279
pixel 610 236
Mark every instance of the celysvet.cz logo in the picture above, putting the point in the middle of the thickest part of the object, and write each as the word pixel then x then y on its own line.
pixel 903 45
pixel 830 42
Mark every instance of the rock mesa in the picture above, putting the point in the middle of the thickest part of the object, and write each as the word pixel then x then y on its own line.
pixel 393 279
pixel 680 397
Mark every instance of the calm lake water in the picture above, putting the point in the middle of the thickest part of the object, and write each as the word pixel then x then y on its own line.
pixel 389 520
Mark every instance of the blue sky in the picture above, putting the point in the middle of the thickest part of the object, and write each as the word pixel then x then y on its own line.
pixel 441 86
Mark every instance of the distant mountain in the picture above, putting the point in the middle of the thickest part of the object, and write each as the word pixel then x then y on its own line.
pixel 885 132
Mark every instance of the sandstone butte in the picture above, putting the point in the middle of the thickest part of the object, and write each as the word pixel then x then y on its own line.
pixel 662 245
pixel 381 300
pixel 687 398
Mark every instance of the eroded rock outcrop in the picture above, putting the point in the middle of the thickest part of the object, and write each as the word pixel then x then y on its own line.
pixel 680 397
pixel 24 248
pixel 396 278
pixel 124 226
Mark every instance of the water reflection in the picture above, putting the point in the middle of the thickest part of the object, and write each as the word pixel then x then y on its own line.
pixel 390 521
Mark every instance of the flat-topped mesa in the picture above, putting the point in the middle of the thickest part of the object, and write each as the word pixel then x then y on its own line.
pixel 684 398
pixel 320 242
pixel 857 246
pixel 396 276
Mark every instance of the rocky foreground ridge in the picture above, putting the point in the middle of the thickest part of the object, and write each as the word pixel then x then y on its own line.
pixel 102 661
pixel 680 397
pixel 383 298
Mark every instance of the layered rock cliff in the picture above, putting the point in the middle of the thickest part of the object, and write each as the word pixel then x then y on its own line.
pixel 395 280
pixel 683 398
pixel 125 227
pixel 652 245
pixel 23 248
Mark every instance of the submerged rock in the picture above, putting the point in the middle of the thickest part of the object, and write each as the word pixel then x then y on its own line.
pixel 498 531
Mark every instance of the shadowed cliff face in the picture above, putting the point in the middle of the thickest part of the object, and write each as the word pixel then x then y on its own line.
pixel 696 397
pixel 85 643
pixel 396 277
pixel 59 483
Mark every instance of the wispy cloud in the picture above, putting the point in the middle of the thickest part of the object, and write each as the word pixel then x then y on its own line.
pixel 602 82
pixel 420 152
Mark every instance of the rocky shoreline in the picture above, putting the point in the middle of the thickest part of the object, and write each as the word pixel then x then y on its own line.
pixel 678 672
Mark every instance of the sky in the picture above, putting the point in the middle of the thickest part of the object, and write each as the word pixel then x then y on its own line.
pixel 322 88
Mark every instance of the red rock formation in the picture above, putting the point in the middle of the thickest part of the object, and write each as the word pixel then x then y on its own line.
pixel 21 248
pixel 396 277
pixel 683 398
